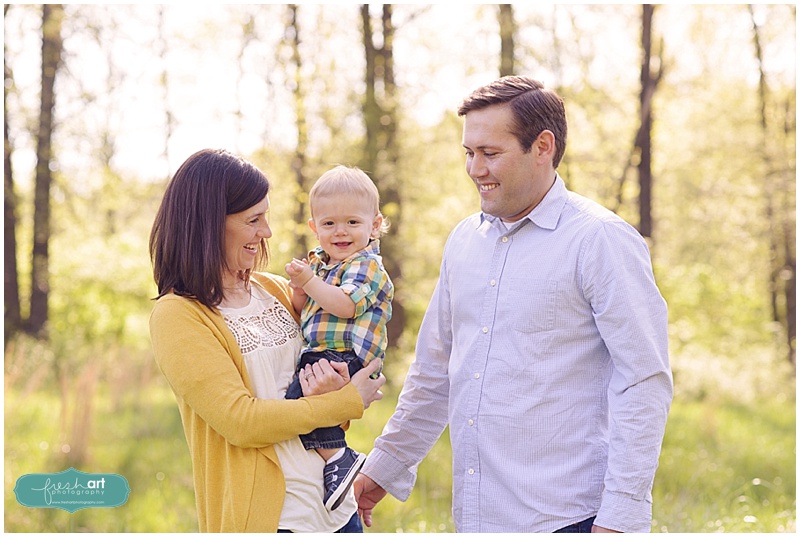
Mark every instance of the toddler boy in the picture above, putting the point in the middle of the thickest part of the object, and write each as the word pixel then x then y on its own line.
pixel 343 296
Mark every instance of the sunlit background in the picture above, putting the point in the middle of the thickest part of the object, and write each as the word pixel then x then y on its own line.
pixel 140 88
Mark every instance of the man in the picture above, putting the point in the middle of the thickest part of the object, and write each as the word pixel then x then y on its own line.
pixel 544 347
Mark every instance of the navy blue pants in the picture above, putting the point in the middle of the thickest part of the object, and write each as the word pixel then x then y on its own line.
pixel 578 527
pixel 324 437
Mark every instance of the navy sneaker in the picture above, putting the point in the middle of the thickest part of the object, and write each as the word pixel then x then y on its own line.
pixel 339 476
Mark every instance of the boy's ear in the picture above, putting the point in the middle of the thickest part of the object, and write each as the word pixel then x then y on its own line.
pixel 312 225
pixel 376 226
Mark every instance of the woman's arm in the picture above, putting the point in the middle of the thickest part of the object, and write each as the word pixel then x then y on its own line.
pixel 191 351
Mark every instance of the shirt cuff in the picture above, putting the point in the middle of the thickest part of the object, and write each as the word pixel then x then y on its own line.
pixel 391 474
pixel 622 513
pixel 358 295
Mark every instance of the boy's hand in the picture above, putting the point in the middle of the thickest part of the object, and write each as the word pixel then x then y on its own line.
pixel 299 272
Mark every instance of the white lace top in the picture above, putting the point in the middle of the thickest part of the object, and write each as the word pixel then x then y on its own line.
pixel 271 341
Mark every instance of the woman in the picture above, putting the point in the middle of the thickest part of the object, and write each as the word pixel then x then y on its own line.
pixel 226 338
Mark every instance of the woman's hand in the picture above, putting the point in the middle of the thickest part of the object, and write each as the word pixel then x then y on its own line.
pixel 323 377
pixel 368 388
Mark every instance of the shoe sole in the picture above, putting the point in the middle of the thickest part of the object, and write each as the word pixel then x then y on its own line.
pixel 338 495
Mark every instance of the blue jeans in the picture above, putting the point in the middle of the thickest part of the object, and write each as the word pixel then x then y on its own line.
pixel 352 526
pixel 324 437
pixel 578 527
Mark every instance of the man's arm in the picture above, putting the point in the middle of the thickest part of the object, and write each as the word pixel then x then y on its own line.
pixel 421 414
pixel 631 317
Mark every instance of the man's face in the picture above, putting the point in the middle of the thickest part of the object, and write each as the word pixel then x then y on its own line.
pixel 510 182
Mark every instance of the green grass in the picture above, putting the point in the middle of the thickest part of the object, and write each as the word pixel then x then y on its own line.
pixel 727 467
pixel 724 466
pixel 139 437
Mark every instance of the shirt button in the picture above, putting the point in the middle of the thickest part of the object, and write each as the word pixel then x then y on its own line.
pixel 471 423
pixel 505 239
pixel 493 283
pixel 485 330
pixel 470 471
pixel 477 375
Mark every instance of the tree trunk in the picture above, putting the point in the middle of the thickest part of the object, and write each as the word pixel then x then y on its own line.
pixel 52 15
pixel 391 197
pixel 382 153
pixel 13 316
pixel 507 32
pixel 641 149
pixel 782 283
pixel 372 112
pixel 646 112
pixel 301 152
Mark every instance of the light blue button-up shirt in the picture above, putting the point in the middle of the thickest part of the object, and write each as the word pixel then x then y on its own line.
pixel 544 348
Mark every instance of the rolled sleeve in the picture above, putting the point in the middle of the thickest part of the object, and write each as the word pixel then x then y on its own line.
pixel 362 281
pixel 623 513
pixel 362 296
pixel 392 475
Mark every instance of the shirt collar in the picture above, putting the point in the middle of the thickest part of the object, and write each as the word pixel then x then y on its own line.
pixel 546 214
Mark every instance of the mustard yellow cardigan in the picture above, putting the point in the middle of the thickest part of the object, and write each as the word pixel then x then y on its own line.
pixel 238 481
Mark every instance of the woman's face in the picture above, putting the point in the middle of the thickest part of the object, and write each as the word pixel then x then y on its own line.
pixel 243 234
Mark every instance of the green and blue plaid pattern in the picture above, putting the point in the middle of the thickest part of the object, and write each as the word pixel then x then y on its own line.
pixel 363 277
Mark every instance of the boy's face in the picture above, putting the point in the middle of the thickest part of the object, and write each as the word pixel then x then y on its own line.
pixel 344 225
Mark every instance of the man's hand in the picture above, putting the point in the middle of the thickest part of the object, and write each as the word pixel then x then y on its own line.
pixel 368 494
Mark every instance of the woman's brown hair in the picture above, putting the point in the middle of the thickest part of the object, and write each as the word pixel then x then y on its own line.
pixel 187 242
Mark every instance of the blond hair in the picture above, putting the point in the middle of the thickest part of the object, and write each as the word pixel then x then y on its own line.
pixel 348 181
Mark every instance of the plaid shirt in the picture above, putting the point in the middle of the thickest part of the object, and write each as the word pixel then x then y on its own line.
pixel 363 277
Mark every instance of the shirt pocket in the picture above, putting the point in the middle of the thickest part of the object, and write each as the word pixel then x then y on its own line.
pixel 530 304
